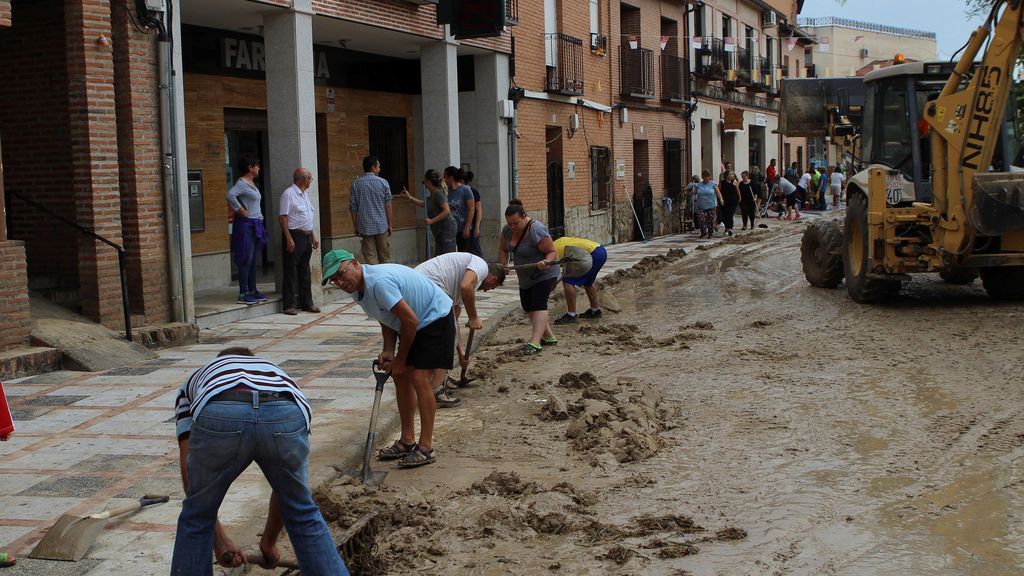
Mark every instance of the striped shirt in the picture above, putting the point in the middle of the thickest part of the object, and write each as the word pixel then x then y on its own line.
pixel 226 372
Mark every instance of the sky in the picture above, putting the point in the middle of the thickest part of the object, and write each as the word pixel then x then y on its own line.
pixel 947 18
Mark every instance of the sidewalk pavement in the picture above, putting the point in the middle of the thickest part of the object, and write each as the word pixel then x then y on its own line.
pixel 87 441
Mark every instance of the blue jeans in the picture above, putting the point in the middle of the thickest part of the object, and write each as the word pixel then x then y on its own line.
pixel 247 274
pixel 225 439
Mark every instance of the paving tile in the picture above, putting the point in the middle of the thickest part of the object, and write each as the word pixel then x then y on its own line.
pixel 32 567
pixel 116 395
pixel 162 361
pixel 9 534
pixel 58 420
pixel 37 508
pixel 71 486
pixel 50 400
pixel 125 464
pixel 14 483
pixel 157 485
pixel 132 371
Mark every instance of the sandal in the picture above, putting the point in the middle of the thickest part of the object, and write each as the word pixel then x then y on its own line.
pixel 548 341
pixel 397 450
pixel 417 457
pixel 530 349
pixel 7 560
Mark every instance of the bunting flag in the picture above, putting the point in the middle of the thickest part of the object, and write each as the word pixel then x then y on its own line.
pixel 730 44
pixel 697 42
pixel 823 44
pixel 633 42
pixel 857 38
pixel 790 42
pixel 730 75
pixel 664 42
pixel 755 75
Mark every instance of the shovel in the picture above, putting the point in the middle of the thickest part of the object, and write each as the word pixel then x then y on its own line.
pixel 577 262
pixel 72 536
pixel 463 381
pixel 367 476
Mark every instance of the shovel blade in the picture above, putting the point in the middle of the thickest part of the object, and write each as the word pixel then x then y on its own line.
pixel 69 539
pixel 373 477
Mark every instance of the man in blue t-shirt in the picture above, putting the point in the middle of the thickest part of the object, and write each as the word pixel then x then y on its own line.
pixel 460 200
pixel 415 313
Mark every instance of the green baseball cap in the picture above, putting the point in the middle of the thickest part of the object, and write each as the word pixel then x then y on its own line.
pixel 332 261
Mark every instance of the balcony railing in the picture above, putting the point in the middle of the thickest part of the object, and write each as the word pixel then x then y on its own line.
pixel 713 61
pixel 744 61
pixel 564 64
pixel 764 76
pixel 636 72
pixel 716 92
pixel 512 12
pixel 675 79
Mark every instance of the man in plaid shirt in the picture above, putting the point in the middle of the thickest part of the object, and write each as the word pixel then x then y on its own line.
pixel 370 204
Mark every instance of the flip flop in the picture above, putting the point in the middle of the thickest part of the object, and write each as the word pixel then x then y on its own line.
pixel 530 349
pixel 7 560
pixel 548 341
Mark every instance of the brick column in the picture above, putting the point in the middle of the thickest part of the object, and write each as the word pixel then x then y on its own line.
pixel 94 165
pixel 138 138
pixel 15 320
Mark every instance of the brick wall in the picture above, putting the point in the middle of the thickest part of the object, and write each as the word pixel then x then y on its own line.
pixel 94 152
pixel 346 138
pixel 37 153
pixel 5 12
pixel 15 321
pixel 138 136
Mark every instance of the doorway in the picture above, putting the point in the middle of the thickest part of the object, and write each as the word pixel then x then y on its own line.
pixel 643 195
pixel 707 136
pixel 556 186
pixel 673 168
pixel 757 145
pixel 246 134
pixel 389 143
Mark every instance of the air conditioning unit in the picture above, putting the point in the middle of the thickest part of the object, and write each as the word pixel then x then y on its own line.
pixel 863 52
pixel 770 18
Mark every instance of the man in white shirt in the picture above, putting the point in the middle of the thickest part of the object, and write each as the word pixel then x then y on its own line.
pixel 296 217
pixel 838 180
pixel 803 186
pixel 460 275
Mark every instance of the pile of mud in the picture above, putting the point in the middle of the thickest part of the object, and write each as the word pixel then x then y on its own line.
pixel 645 266
pixel 500 509
pixel 624 420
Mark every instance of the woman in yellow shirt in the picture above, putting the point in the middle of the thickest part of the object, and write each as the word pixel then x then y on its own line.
pixel 599 255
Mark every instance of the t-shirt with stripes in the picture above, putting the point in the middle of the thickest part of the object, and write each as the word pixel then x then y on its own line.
pixel 226 372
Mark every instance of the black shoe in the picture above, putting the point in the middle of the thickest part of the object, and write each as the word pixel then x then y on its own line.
pixel 590 313
pixel 566 319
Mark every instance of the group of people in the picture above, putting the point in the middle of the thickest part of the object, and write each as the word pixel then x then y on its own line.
pixel 714 203
pixel 240 408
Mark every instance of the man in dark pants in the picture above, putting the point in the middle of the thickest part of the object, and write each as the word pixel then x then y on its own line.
pixel 296 217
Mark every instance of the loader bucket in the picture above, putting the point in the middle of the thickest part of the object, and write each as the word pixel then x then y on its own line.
pixel 998 203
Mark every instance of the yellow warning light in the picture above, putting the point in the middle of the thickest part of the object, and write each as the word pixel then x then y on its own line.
pixel 899 58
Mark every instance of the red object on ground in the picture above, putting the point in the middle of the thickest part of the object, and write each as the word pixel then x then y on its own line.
pixel 6 422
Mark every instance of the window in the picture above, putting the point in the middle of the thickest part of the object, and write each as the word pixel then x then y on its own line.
pixel 600 177
pixel 894 124
pixel 808 58
pixel 595 17
pixel 698 21
pixel 726 26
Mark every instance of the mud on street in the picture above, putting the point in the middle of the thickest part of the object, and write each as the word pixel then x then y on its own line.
pixel 729 420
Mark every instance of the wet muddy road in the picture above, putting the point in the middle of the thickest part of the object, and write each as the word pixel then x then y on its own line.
pixel 734 421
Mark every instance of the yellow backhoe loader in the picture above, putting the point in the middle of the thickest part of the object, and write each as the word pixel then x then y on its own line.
pixel 939 193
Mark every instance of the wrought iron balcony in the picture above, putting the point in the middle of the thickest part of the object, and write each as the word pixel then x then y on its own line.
pixel 564 64
pixel 713 61
pixel 704 89
pixel 675 79
pixel 763 80
pixel 744 66
pixel 512 12
pixel 636 72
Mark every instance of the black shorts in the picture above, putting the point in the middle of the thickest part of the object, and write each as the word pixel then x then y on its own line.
pixel 535 298
pixel 791 200
pixel 434 345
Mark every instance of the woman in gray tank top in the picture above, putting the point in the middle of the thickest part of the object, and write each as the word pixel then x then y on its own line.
pixel 529 242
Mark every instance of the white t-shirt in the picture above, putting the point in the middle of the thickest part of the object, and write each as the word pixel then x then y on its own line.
pixel 786 186
pixel 448 269
pixel 838 179
pixel 296 206
pixel 805 181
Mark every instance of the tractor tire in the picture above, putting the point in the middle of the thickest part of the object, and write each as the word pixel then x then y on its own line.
pixel 856 256
pixel 959 276
pixel 821 253
pixel 1004 282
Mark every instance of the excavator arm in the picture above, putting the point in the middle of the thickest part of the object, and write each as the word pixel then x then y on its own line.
pixel 965 123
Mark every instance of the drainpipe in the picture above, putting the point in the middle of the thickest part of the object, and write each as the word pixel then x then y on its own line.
pixel 169 167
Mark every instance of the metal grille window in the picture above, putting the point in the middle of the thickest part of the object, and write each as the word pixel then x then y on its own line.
pixel 600 177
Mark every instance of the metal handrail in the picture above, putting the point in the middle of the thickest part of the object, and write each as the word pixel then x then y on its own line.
pixel 565 76
pixel 859 25
pixel 636 72
pixel 120 254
